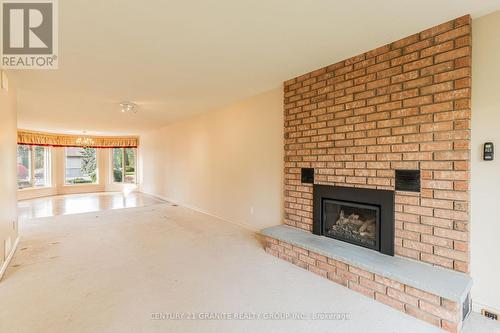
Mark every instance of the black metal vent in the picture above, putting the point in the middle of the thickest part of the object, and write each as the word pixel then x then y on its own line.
pixel 307 175
pixel 408 180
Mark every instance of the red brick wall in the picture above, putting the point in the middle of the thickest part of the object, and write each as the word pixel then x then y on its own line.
pixel 405 105
pixel 434 309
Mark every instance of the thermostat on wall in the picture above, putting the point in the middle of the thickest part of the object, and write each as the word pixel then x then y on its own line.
pixel 489 151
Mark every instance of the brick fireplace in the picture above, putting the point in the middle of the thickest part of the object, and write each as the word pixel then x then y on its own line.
pixel 405 105
pixel 402 106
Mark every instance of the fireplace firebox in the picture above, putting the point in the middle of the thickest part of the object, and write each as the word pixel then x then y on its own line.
pixel 364 217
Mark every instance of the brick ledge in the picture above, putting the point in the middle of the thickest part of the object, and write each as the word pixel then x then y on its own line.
pixel 445 283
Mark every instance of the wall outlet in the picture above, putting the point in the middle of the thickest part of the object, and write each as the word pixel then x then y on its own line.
pixel 489 314
pixel 252 210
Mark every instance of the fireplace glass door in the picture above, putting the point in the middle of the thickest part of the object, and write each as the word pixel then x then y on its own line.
pixel 352 222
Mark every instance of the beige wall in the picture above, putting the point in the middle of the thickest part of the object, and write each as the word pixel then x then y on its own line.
pixel 58 186
pixel 8 214
pixel 486 175
pixel 228 162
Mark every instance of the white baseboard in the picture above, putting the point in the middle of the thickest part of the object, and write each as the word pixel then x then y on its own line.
pixel 9 258
pixel 477 307
pixel 199 210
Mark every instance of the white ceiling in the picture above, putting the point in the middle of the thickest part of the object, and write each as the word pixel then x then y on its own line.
pixel 179 58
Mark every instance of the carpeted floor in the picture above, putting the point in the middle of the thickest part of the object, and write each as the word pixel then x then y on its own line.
pixel 141 269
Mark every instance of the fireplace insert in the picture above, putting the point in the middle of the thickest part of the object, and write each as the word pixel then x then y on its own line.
pixel 352 222
pixel 364 217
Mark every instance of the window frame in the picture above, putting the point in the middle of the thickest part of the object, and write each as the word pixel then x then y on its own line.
pixel 65 157
pixel 124 171
pixel 47 161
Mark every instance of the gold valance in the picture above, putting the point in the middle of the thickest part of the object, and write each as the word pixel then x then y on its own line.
pixel 25 137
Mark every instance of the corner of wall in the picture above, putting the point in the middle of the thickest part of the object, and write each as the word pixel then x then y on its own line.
pixel 8 165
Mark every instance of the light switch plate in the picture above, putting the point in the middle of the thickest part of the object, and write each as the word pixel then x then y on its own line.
pixel 5 82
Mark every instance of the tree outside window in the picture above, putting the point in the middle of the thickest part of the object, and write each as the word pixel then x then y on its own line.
pixel 124 165
pixel 81 166
pixel 33 166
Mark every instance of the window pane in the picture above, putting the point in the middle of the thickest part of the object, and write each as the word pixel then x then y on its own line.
pixel 117 165
pixel 23 166
pixel 81 166
pixel 129 165
pixel 41 166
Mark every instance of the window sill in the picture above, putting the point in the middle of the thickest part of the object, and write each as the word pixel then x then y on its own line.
pixel 28 189
pixel 84 184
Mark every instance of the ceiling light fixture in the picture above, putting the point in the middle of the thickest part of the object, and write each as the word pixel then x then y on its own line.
pixel 128 107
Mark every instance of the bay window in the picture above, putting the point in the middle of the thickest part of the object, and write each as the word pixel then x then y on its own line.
pixel 124 165
pixel 33 166
pixel 80 166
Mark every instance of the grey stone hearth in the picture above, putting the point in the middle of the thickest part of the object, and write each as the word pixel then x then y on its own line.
pixel 445 283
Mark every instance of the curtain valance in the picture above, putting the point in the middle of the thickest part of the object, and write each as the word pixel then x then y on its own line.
pixel 64 140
